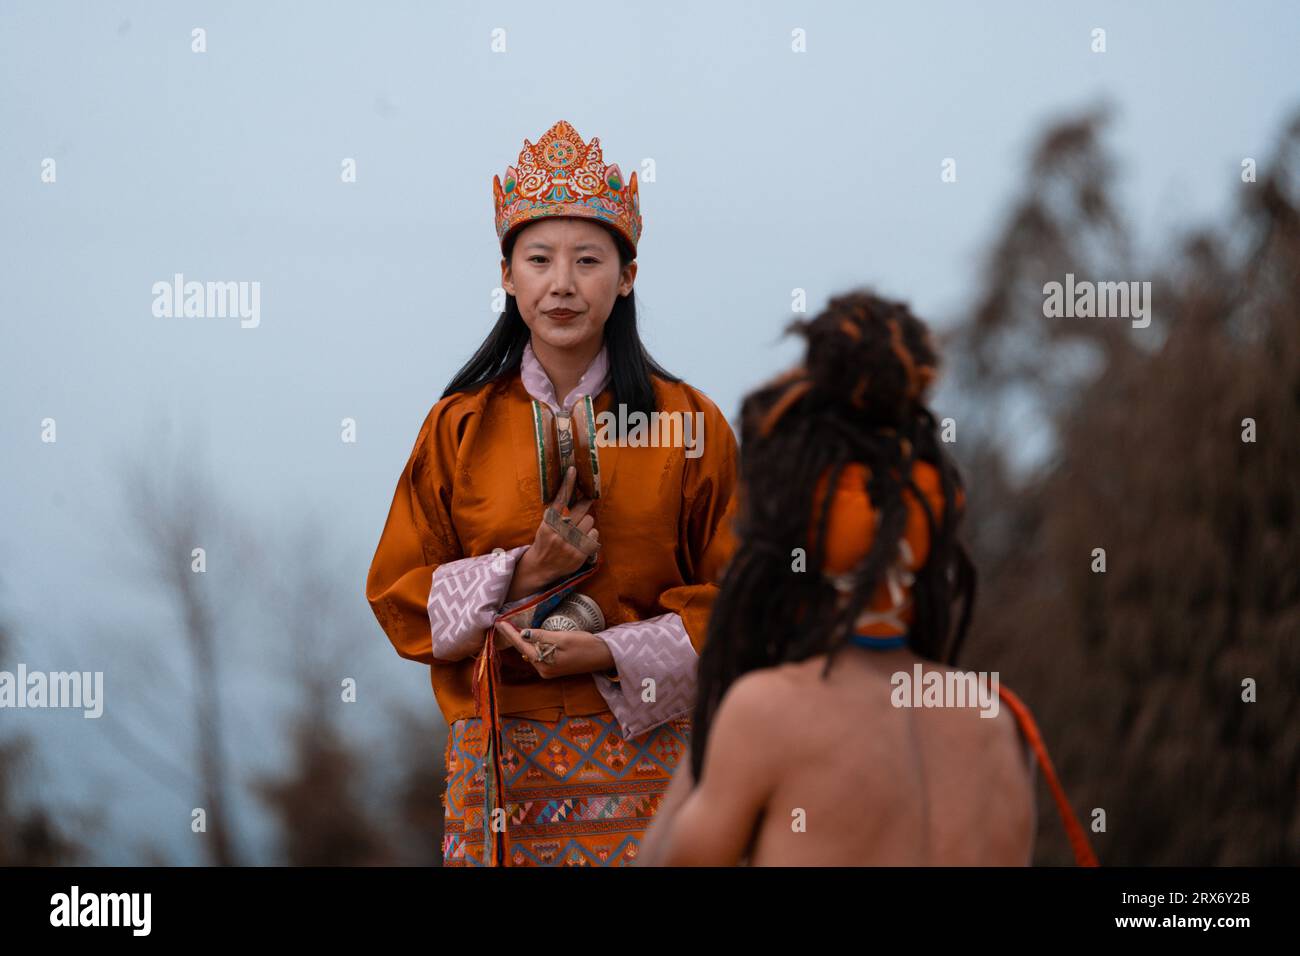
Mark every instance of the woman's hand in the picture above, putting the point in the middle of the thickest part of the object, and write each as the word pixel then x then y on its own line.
pixel 570 652
pixel 550 557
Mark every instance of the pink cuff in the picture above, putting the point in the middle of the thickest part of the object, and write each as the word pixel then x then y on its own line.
pixel 465 597
pixel 657 649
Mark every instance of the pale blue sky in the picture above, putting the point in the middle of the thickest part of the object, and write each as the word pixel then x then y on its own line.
pixel 775 170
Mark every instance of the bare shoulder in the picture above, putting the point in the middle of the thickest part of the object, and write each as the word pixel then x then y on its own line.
pixel 990 724
pixel 788 695
pixel 1009 736
pixel 1014 758
pixel 758 699
pixel 750 711
pixel 781 696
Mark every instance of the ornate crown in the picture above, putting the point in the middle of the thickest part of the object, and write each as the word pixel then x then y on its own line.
pixel 563 176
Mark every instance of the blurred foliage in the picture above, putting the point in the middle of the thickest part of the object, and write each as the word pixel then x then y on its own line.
pixel 1135 674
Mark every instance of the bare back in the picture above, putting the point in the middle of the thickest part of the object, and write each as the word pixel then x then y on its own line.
pixel 880 785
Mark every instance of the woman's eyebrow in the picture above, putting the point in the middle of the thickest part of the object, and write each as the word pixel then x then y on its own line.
pixel 546 247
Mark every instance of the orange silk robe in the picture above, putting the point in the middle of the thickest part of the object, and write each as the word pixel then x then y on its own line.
pixel 471 486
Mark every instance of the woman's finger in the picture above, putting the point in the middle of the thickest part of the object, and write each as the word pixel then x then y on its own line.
pixel 515 638
pixel 542 636
pixel 579 511
pixel 566 489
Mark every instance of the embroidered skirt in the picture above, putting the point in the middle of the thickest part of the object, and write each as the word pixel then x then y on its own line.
pixel 575 792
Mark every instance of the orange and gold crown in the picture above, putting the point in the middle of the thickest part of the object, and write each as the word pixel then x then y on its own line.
pixel 563 176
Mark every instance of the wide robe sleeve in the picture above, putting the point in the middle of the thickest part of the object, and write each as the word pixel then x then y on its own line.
pixel 657 659
pixel 433 601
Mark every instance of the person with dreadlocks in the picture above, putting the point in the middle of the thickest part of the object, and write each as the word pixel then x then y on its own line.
pixel 846 573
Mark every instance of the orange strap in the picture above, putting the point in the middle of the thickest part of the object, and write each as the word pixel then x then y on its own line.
pixel 1083 854
pixel 485 683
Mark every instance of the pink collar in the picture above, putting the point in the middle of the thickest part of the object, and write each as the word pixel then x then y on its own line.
pixel 539 386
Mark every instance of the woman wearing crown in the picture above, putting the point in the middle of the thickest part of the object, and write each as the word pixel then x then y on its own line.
pixel 558 588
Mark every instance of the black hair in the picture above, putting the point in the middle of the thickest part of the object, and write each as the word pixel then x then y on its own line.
pixel 856 398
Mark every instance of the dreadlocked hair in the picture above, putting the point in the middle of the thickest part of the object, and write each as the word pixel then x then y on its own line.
pixel 858 397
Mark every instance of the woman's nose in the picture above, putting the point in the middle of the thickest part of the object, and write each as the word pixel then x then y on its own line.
pixel 562 278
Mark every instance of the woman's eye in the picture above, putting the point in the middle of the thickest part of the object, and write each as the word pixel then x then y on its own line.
pixel 586 260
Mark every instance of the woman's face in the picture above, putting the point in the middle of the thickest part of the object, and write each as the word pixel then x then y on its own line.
pixel 566 264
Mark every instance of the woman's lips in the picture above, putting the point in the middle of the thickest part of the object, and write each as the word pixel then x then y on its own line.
pixel 561 314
